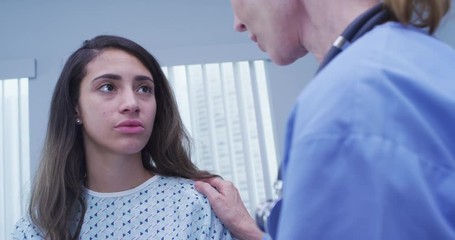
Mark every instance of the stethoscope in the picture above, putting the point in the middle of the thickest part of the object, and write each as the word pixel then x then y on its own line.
pixel 361 25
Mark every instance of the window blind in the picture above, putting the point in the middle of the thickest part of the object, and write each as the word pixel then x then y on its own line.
pixel 14 152
pixel 225 108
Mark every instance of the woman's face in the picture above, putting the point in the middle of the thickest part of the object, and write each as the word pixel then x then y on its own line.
pixel 117 104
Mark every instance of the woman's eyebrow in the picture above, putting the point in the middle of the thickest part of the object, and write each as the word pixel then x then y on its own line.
pixel 143 78
pixel 108 76
pixel 118 77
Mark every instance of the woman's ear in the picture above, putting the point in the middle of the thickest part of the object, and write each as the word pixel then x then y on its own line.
pixel 76 111
pixel 77 114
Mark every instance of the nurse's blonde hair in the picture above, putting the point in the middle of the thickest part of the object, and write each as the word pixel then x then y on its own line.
pixel 419 13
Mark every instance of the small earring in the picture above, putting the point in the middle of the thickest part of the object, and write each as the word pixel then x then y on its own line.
pixel 78 121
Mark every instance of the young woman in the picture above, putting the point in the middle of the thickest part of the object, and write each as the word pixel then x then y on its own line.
pixel 370 145
pixel 116 158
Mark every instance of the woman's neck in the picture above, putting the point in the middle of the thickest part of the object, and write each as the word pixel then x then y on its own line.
pixel 114 173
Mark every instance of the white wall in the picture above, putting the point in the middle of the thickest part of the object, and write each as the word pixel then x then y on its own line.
pixel 174 31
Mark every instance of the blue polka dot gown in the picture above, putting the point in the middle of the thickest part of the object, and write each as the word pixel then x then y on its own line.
pixel 160 208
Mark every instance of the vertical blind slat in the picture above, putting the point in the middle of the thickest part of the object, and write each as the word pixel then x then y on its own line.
pixel 246 133
pixel 260 128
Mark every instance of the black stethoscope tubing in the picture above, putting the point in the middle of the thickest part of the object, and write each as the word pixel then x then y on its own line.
pixel 361 25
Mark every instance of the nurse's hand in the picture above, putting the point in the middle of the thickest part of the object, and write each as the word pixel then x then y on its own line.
pixel 229 208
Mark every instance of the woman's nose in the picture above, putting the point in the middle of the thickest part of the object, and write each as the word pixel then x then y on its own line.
pixel 129 103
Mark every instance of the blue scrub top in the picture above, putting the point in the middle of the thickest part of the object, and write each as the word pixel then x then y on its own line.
pixel 370 146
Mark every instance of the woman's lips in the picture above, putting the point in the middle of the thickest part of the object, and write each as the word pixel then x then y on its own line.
pixel 129 126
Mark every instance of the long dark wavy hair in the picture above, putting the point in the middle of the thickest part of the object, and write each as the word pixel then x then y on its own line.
pixel 57 192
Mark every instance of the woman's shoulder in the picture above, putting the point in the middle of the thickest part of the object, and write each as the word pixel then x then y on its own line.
pixel 180 189
pixel 25 229
pixel 172 182
pixel 192 207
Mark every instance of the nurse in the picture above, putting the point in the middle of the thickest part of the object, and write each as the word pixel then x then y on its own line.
pixel 370 145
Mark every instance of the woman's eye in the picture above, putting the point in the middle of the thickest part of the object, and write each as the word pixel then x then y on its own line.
pixel 145 89
pixel 107 88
